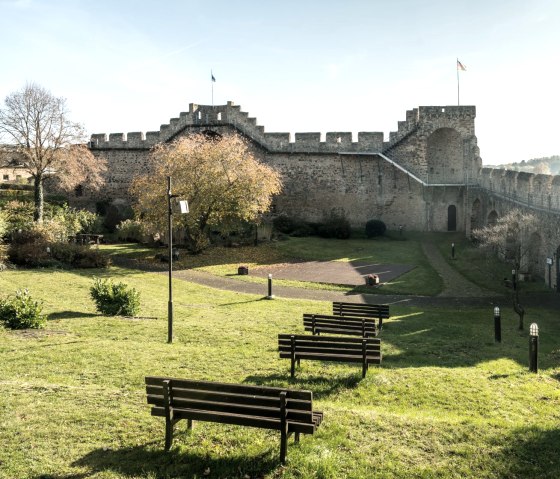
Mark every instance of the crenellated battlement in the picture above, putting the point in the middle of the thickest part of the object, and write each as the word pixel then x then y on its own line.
pixel 231 115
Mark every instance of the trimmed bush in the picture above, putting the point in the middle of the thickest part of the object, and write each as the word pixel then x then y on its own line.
pixel 21 311
pixel 130 230
pixel 375 228
pixel 335 227
pixel 115 299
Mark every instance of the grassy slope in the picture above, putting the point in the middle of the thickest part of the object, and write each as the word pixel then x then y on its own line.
pixel 422 280
pixel 447 402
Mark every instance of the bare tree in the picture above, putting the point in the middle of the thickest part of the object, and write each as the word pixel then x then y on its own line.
pixel 222 180
pixel 509 238
pixel 36 124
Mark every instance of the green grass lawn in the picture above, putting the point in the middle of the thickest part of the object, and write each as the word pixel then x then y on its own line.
pixel 422 280
pixel 446 402
pixel 487 272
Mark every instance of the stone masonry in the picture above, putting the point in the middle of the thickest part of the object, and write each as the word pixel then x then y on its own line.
pixel 428 176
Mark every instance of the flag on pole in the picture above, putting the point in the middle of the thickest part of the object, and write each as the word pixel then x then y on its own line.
pixel 460 66
pixel 212 76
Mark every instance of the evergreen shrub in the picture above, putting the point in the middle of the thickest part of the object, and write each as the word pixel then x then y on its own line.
pixel 115 299
pixel 375 228
pixel 21 311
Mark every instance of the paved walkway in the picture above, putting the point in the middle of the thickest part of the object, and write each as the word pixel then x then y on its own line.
pixel 454 284
pixel 458 292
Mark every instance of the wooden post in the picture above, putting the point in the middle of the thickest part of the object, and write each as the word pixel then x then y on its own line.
pixel 168 414
pixel 293 355
pixel 364 358
pixel 283 427
pixel 313 325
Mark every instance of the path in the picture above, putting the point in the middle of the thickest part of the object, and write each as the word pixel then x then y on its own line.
pixel 454 284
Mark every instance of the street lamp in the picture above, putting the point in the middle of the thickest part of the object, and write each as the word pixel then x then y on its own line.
pixel 184 209
pixel 534 348
pixel 497 325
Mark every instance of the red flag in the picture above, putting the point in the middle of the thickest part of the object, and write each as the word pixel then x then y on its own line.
pixel 460 66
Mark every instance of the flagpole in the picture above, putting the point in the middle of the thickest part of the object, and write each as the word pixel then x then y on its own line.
pixel 457 67
pixel 212 82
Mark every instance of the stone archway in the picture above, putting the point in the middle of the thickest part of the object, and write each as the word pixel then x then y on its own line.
pixel 451 218
pixel 492 218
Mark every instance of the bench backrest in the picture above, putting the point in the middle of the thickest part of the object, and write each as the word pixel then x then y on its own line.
pixel 380 311
pixel 257 406
pixel 323 323
pixel 331 347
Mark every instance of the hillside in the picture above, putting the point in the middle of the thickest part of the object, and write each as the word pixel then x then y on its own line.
pixel 548 165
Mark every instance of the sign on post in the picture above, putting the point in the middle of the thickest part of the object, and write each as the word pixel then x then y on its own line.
pixel 184 206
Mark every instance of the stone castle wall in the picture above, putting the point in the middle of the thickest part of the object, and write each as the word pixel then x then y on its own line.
pixel 429 167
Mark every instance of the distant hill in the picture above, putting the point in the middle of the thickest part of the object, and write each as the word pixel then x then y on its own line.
pixel 549 165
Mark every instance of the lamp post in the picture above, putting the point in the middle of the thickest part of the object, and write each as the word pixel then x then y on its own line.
pixel 534 348
pixel 270 295
pixel 497 325
pixel 170 261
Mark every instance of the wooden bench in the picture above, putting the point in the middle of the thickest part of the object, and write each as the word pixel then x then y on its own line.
pixel 286 410
pixel 329 348
pixel 378 311
pixel 323 323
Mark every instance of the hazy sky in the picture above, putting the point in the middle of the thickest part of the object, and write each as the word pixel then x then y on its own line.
pixel 298 66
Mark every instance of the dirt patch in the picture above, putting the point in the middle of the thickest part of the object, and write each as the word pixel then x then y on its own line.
pixel 38 333
pixel 334 272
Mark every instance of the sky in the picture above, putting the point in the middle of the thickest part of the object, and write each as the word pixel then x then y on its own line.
pixel 295 65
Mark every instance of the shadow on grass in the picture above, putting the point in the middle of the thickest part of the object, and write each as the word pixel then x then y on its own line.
pixel 322 387
pixel 532 452
pixel 462 339
pixel 143 461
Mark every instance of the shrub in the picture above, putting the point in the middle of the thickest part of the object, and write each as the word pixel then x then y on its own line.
pixel 42 254
pixel 375 228
pixel 292 226
pixel 130 230
pixel 335 227
pixel 31 254
pixel 115 299
pixel 21 311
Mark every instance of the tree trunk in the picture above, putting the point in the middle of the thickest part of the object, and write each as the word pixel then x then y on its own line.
pixel 520 310
pixel 38 211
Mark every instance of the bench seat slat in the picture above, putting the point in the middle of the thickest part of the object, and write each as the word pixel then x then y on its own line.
pixel 328 350
pixel 325 339
pixel 236 419
pixel 343 358
pixel 261 411
pixel 361 309
pixel 217 396
pixel 336 330
pixel 233 388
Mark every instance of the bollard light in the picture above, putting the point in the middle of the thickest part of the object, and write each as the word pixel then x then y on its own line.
pixel 497 325
pixel 513 279
pixel 270 295
pixel 534 348
pixel 453 250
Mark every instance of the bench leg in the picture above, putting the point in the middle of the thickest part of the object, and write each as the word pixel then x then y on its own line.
pixel 283 428
pixel 293 368
pixel 296 437
pixel 189 424
pixel 168 433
